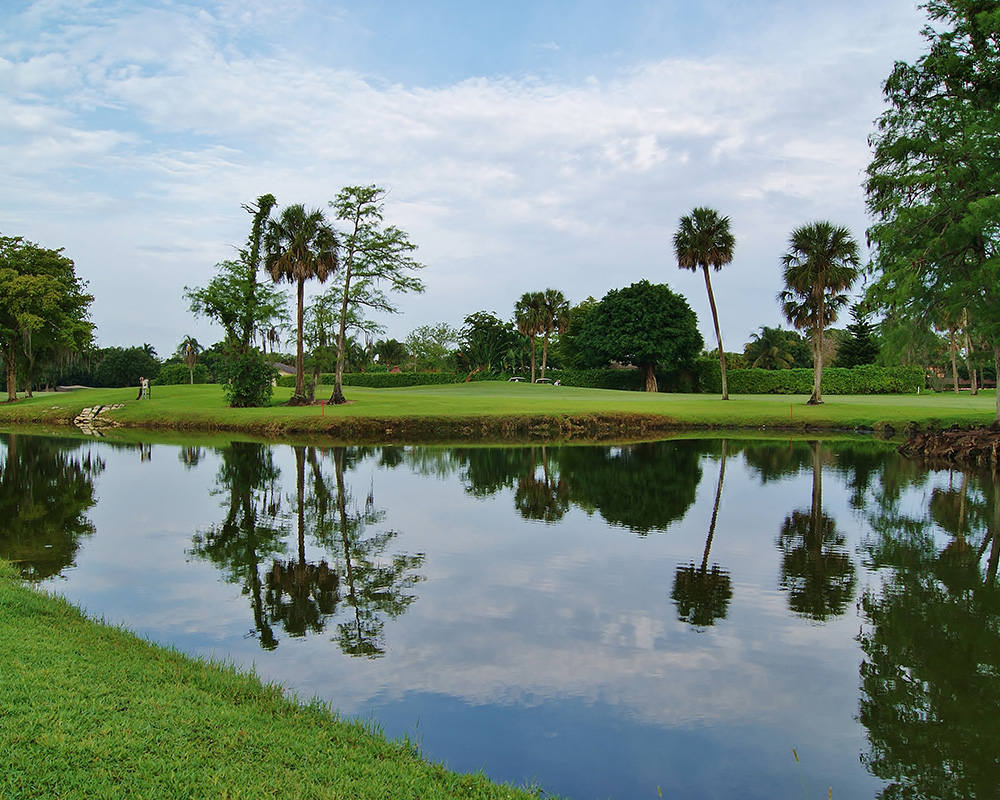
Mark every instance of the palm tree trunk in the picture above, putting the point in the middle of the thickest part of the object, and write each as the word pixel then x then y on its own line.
pixel 300 373
pixel 817 395
pixel 545 351
pixel 718 333
pixel 715 509
pixel 532 358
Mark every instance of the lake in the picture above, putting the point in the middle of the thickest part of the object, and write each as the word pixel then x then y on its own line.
pixel 709 618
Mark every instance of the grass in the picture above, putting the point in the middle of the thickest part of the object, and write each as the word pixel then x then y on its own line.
pixel 90 710
pixel 500 411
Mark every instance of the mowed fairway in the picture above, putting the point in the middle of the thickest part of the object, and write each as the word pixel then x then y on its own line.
pixel 204 407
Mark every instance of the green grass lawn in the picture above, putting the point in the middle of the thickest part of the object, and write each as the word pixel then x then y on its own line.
pixel 428 408
pixel 91 711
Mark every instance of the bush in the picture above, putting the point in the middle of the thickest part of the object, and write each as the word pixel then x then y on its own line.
pixel 248 380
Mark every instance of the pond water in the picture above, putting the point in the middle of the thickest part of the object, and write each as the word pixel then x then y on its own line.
pixel 707 618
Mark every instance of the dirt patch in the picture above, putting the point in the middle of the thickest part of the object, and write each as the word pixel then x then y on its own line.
pixel 979 447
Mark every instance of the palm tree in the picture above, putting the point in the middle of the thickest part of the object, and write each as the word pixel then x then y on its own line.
pixel 189 350
pixel 554 318
pixel 703 239
pixel 769 349
pixel 821 264
pixel 300 245
pixel 528 319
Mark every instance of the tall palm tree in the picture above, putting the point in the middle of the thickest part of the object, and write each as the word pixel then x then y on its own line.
pixel 300 245
pixel 554 318
pixel 821 264
pixel 703 239
pixel 528 319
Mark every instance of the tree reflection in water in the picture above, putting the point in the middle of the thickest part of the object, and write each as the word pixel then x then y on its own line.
pixel 930 681
pixel 702 594
pixel 46 490
pixel 816 569
pixel 355 577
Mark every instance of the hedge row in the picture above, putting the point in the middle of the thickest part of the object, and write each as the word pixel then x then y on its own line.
pixel 867 379
pixel 704 377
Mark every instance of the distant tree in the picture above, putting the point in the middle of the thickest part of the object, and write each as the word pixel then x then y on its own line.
pixel 770 349
pixel 123 366
pixel 300 246
pixel 821 264
pixel 43 309
pixel 247 309
pixel 860 345
pixel 528 317
pixel 189 349
pixel 374 255
pixel 554 319
pixel 567 346
pixel 431 346
pixel 485 343
pixel 390 352
pixel 703 240
pixel 643 324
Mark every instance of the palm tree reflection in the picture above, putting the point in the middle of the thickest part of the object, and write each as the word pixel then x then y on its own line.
pixel 702 594
pixel 816 568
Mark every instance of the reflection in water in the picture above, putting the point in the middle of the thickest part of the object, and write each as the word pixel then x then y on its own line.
pixel 512 620
pixel 643 487
pixel 702 594
pixel 46 489
pixel 355 579
pixel 930 680
pixel 816 568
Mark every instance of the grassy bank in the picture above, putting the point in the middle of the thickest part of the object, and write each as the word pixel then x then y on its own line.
pixel 91 711
pixel 508 411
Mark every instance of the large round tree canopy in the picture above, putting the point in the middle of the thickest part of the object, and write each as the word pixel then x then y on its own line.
pixel 642 324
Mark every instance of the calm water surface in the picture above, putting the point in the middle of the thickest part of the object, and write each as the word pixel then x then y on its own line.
pixel 599 621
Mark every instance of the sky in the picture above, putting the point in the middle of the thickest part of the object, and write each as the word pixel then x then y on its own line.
pixel 524 145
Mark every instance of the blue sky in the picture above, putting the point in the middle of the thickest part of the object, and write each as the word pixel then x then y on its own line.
pixel 525 145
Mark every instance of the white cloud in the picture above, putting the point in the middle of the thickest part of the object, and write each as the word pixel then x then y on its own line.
pixel 171 113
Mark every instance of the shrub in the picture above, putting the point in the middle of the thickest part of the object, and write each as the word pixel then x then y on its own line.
pixel 867 379
pixel 249 380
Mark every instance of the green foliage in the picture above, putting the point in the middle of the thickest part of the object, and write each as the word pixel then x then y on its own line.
pixel 43 310
pixel 174 373
pixel 487 344
pixel 867 379
pixel 643 324
pixel 248 380
pixel 859 345
pixel 123 366
pixel 432 345
pixel 376 258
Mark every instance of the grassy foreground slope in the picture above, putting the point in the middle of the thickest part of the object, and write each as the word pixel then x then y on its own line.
pixel 498 410
pixel 91 711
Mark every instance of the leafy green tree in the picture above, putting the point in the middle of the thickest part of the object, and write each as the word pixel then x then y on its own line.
pixel 703 239
pixel 931 185
pixel 567 346
pixel 43 309
pixel 821 264
pixel 644 324
pixel 431 346
pixel 300 246
pixel 374 254
pixel 247 309
pixel 485 343
pixel 860 345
